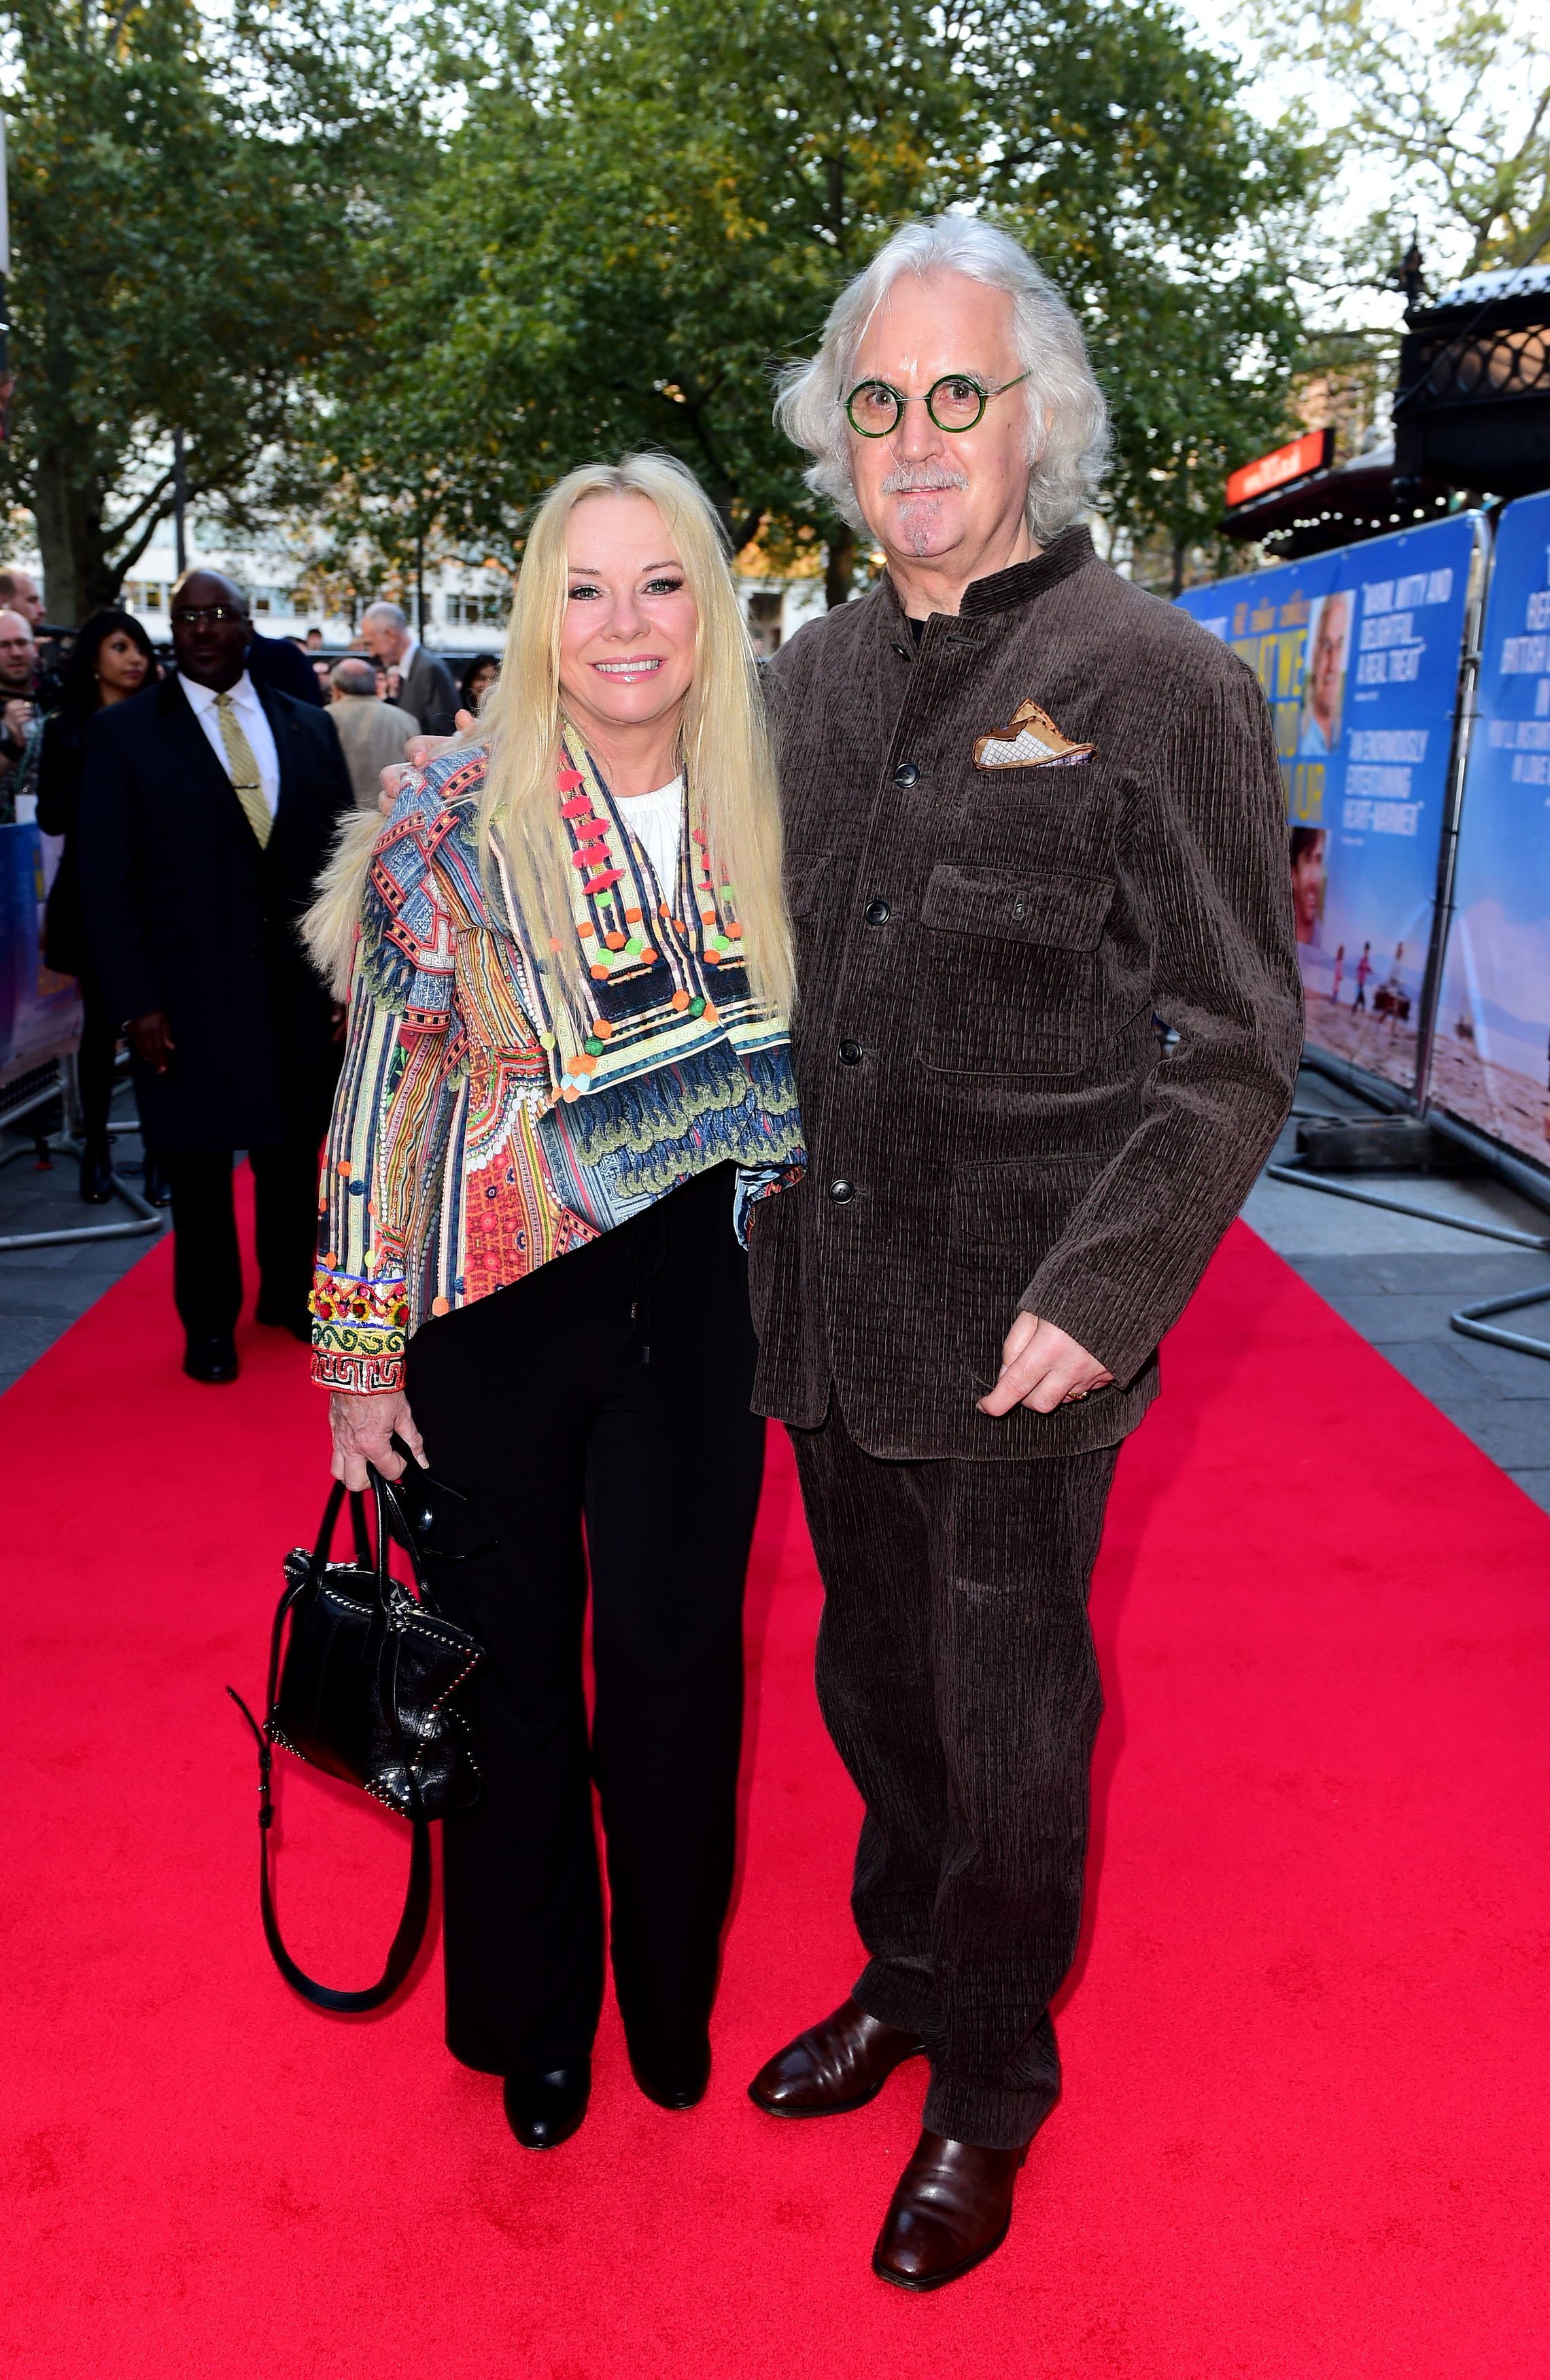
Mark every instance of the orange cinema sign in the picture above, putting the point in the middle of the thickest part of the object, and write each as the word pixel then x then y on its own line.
pixel 1311 452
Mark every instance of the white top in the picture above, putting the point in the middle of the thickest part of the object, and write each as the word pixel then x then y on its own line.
pixel 657 821
pixel 255 726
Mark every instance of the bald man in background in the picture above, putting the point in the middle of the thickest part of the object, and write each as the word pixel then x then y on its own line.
pixel 18 592
pixel 372 731
pixel 18 690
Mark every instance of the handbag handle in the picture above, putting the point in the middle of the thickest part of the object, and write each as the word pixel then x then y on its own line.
pixel 331 1521
pixel 416 1912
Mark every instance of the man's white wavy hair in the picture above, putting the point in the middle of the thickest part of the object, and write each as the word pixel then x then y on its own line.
pixel 1068 421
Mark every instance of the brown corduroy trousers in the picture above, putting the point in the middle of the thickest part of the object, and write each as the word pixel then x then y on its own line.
pixel 957 1676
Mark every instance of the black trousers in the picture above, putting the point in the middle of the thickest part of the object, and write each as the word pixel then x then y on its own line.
pixel 207 1264
pixel 611 1387
pixel 957 1676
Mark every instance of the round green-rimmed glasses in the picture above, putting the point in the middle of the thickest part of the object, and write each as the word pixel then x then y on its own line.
pixel 955 403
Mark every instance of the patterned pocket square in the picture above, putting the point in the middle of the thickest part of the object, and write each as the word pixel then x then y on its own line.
pixel 1031 740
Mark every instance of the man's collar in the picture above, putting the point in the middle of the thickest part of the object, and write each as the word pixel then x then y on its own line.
pixel 1003 591
pixel 406 657
pixel 201 697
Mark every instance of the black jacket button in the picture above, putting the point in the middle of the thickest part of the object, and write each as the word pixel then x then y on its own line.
pixel 878 912
pixel 906 774
pixel 842 1191
pixel 850 1053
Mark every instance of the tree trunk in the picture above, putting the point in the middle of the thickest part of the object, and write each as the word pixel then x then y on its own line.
pixel 838 563
pixel 79 574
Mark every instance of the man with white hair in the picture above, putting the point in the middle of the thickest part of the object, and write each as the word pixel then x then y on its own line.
pixel 425 687
pixel 1048 1028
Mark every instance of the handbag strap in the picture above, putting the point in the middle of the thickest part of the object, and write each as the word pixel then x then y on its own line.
pixel 416 1912
pixel 413 1919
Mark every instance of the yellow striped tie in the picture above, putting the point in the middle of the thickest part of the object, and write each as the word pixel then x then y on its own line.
pixel 245 782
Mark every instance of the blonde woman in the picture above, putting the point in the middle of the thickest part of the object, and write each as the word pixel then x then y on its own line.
pixel 566 1082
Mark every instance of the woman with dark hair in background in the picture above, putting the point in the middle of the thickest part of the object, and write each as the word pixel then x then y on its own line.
pixel 478 679
pixel 113 658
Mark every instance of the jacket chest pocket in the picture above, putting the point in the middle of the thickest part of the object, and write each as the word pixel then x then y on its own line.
pixel 1009 974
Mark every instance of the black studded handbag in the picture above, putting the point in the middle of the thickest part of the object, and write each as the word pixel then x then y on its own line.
pixel 363 1679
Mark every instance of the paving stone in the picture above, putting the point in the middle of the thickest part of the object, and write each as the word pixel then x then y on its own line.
pixel 42 1290
pixel 1535 1484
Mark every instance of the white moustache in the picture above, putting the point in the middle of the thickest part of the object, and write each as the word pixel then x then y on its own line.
pixel 905 482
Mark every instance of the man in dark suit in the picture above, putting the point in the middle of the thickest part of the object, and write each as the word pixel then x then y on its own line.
pixel 275 662
pixel 208 807
pixel 1030 813
pixel 426 686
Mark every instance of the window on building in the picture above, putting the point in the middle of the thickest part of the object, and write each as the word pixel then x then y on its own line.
pixel 474 610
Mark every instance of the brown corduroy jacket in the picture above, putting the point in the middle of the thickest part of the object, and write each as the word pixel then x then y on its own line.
pixel 985 960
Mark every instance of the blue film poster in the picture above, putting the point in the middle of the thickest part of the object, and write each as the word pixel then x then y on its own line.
pixel 40 1016
pixel 1358 652
pixel 1491 1067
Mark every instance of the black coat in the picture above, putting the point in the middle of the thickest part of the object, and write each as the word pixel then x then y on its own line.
pixel 428 692
pixel 185 913
pixel 61 757
pixel 275 662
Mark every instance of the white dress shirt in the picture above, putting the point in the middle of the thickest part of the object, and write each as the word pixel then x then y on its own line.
pixel 405 660
pixel 255 726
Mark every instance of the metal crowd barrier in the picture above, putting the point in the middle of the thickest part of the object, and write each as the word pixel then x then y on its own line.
pixel 55 1079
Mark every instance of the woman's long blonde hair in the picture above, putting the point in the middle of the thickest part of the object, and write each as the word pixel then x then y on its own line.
pixel 725 742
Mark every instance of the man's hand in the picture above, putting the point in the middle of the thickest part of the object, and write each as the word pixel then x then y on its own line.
pixel 1042 1366
pixel 150 1039
pixel 363 1430
pixel 17 719
pixel 419 753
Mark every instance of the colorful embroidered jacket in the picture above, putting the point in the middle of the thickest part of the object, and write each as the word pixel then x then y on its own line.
pixel 474 1135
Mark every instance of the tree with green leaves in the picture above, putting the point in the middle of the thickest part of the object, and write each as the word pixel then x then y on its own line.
pixel 1448 102
pixel 631 221
pixel 186 192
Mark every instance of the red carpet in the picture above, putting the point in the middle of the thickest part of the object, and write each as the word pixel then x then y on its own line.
pixel 1307 2047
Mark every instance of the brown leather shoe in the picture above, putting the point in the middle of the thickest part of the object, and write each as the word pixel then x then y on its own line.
pixel 834 2067
pixel 953 2208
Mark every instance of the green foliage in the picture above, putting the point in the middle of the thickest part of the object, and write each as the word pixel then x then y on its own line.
pixel 1449 100
pixel 182 196
pixel 629 224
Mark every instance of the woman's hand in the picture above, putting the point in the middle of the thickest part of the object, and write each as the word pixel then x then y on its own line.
pixel 419 753
pixel 363 1430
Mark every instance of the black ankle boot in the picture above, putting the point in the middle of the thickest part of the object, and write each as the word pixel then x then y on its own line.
pixel 544 2109
pixel 96 1170
pixel 156 1183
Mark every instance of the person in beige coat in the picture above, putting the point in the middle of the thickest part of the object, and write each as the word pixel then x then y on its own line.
pixel 373 733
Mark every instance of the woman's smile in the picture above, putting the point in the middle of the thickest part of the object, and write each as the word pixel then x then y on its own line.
pixel 637 665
